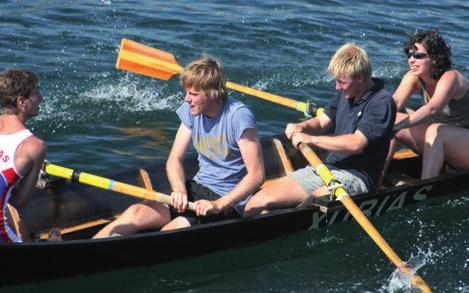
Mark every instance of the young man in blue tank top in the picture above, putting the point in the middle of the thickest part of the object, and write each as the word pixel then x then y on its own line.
pixel 21 153
pixel 224 134
pixel 361 116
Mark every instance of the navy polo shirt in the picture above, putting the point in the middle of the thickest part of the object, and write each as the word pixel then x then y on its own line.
pixel 374 116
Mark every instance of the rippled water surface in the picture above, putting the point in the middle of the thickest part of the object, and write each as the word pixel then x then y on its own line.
pixel 99 119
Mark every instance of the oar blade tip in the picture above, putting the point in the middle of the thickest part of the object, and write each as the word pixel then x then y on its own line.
pixel 144 50
pixel 145 60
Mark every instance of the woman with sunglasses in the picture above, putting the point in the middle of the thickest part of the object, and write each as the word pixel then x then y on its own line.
pixel 439 129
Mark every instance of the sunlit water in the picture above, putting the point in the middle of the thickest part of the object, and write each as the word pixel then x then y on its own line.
pixel 99 119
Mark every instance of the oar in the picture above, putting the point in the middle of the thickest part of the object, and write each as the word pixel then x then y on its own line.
pixel 145 60
pixel 342 195
pixel 108 184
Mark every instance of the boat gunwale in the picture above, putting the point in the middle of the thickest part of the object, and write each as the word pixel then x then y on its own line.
pixel 331 206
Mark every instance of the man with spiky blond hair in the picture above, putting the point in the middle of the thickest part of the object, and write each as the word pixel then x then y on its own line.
pixel 361 118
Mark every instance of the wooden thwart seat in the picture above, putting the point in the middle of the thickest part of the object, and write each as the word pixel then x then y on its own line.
pixel 284 160
pixel 286 163
pixel 404 154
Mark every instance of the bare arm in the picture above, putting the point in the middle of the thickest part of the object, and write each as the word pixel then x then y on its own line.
pixel 175 168
pixel 29 158
pixel 316 125
pixel 347 143
pixel 251 152
pixel 448 86
pixel 408 86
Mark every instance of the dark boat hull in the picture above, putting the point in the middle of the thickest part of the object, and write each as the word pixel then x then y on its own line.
pixel 70 203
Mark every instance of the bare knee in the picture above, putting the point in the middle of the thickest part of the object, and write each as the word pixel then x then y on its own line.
pixel 433 133
pixel 177 223
pixel 139 214
pixel 261 201
pixel 257 203
pixel 135 213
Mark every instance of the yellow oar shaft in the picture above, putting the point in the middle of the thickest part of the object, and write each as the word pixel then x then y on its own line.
pixel 286 102
pixel 108 184
pixel 342 195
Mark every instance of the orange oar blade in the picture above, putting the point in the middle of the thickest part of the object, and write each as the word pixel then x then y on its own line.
pixel 145 60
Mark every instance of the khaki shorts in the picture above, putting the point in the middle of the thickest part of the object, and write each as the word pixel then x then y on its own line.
pixel 310 181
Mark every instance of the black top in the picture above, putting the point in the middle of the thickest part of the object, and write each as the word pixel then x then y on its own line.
pixel 374 116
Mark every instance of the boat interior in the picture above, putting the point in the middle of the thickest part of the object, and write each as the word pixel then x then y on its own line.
pixel 64 210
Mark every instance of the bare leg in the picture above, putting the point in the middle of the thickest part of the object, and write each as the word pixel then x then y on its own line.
pixel 322 191
pixel 179 222
pixel 147 215
pixel 445 143
pixel 283 193
pixel 433 153
pixel 413 138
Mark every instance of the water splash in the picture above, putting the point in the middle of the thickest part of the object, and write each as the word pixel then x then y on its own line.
pixel 400 281
pixel 102 98
pixel 133 96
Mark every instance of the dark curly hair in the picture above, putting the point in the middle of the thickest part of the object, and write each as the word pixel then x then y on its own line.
pixel 15 83
pixel 436 48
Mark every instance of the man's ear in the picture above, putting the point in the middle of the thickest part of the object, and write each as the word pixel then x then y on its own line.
pixel 20 102
pixel 211 95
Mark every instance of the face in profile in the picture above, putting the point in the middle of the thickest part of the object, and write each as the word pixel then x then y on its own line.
pixel 349 87
pixel 198 101
pixel 32 104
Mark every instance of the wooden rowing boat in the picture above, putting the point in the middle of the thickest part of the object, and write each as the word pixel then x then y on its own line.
pixel 79 211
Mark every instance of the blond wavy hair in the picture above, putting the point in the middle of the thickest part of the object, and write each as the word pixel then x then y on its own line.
pixel 350 60
pixel 205 74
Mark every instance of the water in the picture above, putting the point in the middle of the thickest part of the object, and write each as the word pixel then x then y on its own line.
pixel 100 119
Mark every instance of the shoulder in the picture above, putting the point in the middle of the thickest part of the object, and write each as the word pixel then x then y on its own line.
pixel 236 108
pixel 239 118
pixel 452 73
pixel 185 115
pixel 380 95
pixel 183 109
pixel 34 147
pixel 234 104
pixel 381 102
pixel 453 77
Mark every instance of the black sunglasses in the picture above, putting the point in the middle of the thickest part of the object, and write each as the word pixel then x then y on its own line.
pixel 416 55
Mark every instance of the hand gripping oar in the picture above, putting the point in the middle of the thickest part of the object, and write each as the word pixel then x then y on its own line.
pixel 108 184
pixel 145 60
pixel 342 195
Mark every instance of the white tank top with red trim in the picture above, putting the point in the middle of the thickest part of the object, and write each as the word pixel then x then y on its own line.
pixel 9 177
